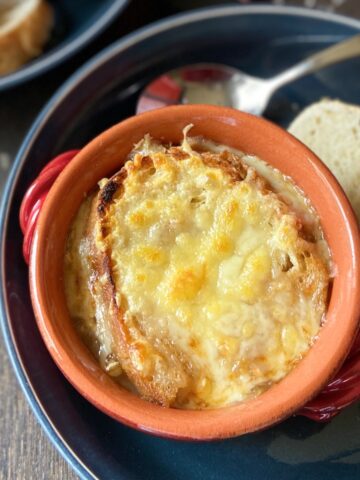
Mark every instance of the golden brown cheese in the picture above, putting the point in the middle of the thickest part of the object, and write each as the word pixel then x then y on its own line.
pixel 208 260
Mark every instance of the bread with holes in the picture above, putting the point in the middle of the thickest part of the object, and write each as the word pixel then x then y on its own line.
pixel 331 129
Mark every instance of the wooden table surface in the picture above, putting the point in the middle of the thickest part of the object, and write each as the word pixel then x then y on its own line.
pixel 25 451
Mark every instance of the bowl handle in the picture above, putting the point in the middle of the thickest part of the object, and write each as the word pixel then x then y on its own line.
pixel 342 390
pixel 35 197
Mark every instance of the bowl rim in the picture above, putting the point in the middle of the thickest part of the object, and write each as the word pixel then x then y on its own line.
pixel 64 50
pixel 174 423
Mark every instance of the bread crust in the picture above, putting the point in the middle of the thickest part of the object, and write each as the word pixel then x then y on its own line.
pixel 163 378
pixel 26 39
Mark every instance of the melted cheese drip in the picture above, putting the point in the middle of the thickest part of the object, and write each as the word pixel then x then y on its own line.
pixel 205 261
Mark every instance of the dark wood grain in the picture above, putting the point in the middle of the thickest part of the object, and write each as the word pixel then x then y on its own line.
pixel 25 451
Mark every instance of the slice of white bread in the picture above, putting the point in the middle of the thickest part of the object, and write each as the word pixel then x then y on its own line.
pixel 25 27
pixel 332 130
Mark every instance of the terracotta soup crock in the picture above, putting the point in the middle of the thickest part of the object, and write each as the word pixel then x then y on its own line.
pixel 104 156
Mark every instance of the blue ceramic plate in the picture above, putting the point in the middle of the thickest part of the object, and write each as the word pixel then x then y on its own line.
pixel 262 41
pixel 76 23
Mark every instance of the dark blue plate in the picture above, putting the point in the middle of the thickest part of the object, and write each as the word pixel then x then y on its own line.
pixel 77 22
pixel 262 41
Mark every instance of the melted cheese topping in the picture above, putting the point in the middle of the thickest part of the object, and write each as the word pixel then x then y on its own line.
pixel 218 267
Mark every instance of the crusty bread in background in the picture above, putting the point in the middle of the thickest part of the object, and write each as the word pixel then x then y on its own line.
pixel 25 27
pixel 332 130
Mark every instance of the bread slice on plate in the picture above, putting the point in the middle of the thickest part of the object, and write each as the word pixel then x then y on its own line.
pixel 25 27
pixel 331 129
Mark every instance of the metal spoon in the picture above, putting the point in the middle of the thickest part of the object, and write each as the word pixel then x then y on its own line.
pixel 223 85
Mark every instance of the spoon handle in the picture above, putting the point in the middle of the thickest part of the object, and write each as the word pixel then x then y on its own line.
pixel 337 53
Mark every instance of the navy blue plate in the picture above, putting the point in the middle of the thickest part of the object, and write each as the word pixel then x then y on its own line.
pixel 77 22
pixel 262 41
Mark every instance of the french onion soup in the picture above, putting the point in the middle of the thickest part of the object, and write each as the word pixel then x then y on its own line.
pixel 197 275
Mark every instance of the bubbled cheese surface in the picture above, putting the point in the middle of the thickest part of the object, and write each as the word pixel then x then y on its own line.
pixel 217 266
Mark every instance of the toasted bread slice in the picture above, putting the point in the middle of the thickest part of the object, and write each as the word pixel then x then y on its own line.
pixel 332 130
pixel 25 27
pixel 169 354
pixel 155 368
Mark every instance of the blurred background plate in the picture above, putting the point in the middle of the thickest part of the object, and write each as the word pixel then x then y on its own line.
pixel 262 41
pixel 77 22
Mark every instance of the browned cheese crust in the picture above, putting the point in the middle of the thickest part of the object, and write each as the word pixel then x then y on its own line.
pixel 170 372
